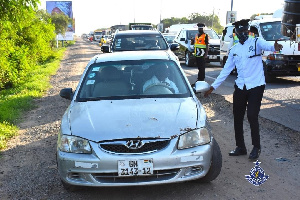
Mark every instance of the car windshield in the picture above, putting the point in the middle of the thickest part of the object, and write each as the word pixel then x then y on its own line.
pixel 271 31
pixel 170 38
pixel 133 79
pixel 138 42
pixel 211 33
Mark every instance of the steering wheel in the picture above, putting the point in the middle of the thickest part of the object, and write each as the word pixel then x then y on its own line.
pixel 158 88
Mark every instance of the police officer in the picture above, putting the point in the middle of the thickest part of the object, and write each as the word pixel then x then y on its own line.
pixel 249 85
pixel 201 50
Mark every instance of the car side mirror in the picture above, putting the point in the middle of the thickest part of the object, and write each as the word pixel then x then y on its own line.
pixel 105 49
pixel 201 86
pixel 182 39
pixel 67 93
pixel 174 46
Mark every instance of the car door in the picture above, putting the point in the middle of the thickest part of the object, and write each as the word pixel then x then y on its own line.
pixel 182 41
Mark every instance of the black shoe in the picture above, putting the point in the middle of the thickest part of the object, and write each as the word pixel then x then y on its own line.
pixel 254 153
pixel 238 151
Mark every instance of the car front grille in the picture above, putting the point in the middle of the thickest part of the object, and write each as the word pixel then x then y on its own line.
pixel 158 175
pixel 214 49
pixel 123 146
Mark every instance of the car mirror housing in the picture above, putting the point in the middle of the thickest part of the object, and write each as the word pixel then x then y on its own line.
pixel 201 86
pixel 105 49
pixel 67 93
pixel 174 46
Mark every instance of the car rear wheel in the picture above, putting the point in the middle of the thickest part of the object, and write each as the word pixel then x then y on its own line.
pixel 215 167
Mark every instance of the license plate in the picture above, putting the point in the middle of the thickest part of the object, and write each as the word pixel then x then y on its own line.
pixel 142 167
pixel 213 57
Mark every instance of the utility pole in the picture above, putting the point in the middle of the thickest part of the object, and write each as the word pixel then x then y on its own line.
pixel 212 21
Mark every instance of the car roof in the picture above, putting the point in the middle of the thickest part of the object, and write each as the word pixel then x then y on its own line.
pixel 133 55
pixel 265 20
pixel 138 32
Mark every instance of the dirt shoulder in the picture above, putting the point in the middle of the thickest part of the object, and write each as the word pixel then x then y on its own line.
pixel 28 166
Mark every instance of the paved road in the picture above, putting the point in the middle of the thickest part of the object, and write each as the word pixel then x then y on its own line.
pixel 281 101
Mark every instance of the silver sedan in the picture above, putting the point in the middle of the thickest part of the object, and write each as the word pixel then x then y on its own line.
pixel 134 119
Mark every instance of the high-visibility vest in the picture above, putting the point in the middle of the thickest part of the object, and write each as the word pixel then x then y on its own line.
pixel 200 41
pixel 200 45
pixel 103 41
pixel 235 39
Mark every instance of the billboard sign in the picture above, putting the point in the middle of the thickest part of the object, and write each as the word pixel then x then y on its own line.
pixel 66 8
pixel 231 17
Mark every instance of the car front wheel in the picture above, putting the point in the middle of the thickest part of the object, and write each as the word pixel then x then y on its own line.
pixel 215 167
pixel 188 60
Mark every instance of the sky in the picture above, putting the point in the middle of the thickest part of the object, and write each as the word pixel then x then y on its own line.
pixel 93 14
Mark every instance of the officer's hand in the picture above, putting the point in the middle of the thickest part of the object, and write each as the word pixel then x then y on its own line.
pixel 277 46
pixel 209 91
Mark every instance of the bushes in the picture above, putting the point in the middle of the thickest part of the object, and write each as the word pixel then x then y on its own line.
pixel 16 100
pixel 23 47
pixel 26 37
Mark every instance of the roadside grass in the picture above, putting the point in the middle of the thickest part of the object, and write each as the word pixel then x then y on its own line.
pixel 15 101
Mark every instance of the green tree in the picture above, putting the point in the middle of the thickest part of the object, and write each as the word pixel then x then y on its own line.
pixel 60 21
pixel 12 9
pixel 211 21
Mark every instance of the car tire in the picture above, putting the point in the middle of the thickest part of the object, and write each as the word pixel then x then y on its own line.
pixel 188 61
pixel 215 167
pixel 223 61
pixel 268 77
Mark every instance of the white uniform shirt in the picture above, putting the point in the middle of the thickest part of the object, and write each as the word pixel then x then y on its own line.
pixel 250 70
pixel 154 81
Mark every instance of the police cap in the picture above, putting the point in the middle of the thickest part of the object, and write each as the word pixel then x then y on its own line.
pixel 201 25
pixel 241 25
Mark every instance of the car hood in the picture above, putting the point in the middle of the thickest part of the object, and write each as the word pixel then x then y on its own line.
pixel 214 41
pixel 132 118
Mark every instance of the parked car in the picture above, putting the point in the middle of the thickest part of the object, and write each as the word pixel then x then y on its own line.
pixel 132 40
pixel 170 38
pixel 121 131
pixel 186 50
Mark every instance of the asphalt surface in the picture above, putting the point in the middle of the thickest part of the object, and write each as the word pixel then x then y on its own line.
pixel 281 100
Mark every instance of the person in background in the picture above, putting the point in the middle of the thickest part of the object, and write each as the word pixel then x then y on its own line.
pixel 253 32
pixel 249 85
pixel 234 40
pixel 102 41
pixel 201 50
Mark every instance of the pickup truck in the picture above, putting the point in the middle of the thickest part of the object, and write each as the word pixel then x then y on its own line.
pixel 186 50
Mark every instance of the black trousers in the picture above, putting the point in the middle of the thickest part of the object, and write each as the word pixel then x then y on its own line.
pixel 201 68
pixel 250 100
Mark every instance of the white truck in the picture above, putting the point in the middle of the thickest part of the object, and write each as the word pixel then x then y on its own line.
pixel 276 64
pixel 285 62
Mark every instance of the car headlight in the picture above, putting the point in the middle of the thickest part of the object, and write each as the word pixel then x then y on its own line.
pixel 72 144
pixel 194 138
pixel 276 57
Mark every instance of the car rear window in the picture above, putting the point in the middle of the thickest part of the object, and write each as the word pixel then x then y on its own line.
pixel 137 42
